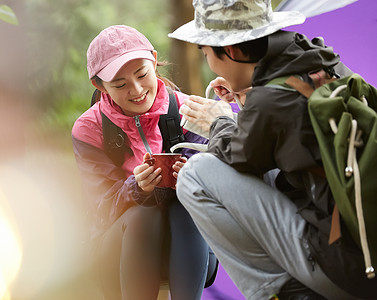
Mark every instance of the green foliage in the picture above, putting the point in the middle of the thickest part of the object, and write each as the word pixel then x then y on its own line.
pixel 57 36
pixel 59 33
pixel 7 15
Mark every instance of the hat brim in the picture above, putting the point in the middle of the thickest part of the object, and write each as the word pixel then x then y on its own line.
pixel 108 73
pixel 220 38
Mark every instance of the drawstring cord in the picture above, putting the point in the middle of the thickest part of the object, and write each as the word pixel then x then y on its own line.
pixel 208 90
pixel 353 168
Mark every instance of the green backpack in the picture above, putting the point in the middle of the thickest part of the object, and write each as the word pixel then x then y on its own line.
pixel 343 114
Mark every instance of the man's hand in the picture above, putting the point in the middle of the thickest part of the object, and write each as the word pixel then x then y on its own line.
pixel 224 91
pixel 201 112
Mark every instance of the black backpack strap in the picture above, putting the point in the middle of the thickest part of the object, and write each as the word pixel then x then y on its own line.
pixel 169 124
pixel 115 141
pixel 95 97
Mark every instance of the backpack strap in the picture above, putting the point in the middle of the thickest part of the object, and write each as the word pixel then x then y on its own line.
pixel 292 83
pixel 95 97
pixel 115 141
pixel 296 82
pixel 318 78
pixel 299 85
pixel 169 124
pixel 279 83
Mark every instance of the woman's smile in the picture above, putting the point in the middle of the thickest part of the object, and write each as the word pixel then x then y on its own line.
pixel 139 100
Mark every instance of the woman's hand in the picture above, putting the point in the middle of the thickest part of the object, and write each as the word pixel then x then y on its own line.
pixel 178 165
pixel 146 176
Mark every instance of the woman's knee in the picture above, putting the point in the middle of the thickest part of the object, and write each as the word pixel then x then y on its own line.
pixel 143 214
pixel 135 221
pixel 142 220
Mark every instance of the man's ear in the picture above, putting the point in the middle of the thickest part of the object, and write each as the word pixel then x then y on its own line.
pixel 235 53
pixel 98 87
pixel 230 51
pixel 155 59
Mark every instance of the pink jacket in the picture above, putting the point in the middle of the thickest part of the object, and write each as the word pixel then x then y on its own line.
pixel 88 128
pixel 109 189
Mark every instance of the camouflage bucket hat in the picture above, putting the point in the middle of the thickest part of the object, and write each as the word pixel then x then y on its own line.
pixel 229 22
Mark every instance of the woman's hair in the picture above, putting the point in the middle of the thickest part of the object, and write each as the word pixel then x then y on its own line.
pixel 167 82
pixel 254 50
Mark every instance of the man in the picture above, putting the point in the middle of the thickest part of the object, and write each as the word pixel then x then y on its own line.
pixel 272 239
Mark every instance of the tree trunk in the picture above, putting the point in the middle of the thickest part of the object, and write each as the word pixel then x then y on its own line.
pixel 185 57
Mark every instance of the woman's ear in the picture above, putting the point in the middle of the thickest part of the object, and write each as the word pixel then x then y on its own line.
pixel 155 59
pixel 98 87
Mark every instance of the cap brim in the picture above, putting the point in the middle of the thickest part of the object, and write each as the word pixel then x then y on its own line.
pixel 220 38
pixel 108 73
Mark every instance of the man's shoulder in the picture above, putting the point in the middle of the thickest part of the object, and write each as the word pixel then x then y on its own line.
pixel 266 98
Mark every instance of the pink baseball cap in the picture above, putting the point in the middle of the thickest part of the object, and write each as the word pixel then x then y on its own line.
pixel 113 47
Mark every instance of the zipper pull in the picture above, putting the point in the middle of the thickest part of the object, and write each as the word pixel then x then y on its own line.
pixel 137 121
pixel 141 133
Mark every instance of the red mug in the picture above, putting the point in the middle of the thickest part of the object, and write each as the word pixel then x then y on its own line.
pixel 165 161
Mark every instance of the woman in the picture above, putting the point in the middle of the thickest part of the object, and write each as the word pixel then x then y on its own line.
pixel 141 233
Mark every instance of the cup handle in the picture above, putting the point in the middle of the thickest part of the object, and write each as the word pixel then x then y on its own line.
pixel 193 146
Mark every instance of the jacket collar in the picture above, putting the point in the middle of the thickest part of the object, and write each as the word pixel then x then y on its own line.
pixel 115 114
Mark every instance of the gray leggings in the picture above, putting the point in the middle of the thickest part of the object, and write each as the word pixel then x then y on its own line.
pixel 253 229
pixel 137 253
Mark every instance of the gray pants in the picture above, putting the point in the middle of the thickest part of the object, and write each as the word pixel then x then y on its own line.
pixel 253 229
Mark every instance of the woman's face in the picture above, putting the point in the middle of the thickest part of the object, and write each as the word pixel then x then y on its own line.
pixel 134 87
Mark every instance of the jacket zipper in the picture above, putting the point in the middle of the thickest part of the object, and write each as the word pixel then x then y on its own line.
pixel 142 135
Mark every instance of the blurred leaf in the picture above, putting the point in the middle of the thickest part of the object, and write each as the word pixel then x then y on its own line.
pixel 7 15
pixel 275 3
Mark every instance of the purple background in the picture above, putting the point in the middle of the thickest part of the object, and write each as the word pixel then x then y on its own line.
pixel 352 32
